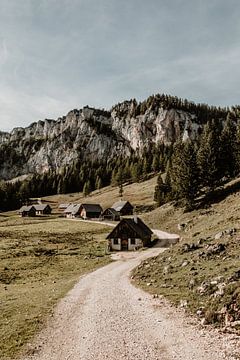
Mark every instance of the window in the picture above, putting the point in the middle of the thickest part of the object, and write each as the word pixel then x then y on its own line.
pixel 115 241
pixel 133 241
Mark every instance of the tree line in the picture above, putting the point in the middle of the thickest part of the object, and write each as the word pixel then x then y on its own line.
pixel 199 167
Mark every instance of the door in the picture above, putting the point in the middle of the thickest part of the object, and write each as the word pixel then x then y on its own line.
pixel 124 244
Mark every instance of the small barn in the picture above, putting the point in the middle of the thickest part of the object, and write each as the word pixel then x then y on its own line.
pixel 27 211
pixel 123 207
pixel 110 214
pixel 43 209
pixel 129 234
pixel 90 211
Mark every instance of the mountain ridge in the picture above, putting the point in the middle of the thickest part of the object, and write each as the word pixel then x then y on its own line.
pixel 96 134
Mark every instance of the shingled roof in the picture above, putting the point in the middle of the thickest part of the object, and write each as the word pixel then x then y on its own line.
pixel 112 210
pixel 40 207
pixel 119 205
pixel 94 208
pixel 26 208
pixel 70 208
pixel 137 225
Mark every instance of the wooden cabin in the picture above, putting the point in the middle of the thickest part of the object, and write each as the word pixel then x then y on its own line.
pixel 110 214
pixel 90 211
pixel 27 211
pixel 72 211
pixel 129 234
pixel 123 207
pixel 43 209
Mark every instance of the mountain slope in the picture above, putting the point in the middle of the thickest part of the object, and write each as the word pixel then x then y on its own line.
pixel 91 134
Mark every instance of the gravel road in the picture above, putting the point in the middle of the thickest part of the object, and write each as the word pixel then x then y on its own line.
pixel 105 317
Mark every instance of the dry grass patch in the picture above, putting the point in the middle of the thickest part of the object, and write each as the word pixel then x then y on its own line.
pixel 201 273
pixel 137 193
pixel 40 260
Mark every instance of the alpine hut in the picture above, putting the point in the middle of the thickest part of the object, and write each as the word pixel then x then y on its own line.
pixel 129 234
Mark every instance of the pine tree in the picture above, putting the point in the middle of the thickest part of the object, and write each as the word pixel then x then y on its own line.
pixel 120 190
pixel 229 147
pixel 184 172
pixel 160 191
pixel 87 188
pixel 156 163
pixel 99 183
pixel 209 156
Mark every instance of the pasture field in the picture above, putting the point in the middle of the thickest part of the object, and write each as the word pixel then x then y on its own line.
pixel 40 260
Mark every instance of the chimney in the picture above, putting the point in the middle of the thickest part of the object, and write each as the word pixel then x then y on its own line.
pixel 135 218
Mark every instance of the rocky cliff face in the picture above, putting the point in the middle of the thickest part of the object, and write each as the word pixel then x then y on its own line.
pixel 90 134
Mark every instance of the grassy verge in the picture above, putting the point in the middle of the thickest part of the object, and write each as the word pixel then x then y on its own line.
pixel 202 272
pixel 40 260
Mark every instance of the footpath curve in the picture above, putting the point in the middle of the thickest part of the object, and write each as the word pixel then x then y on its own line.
pixel 105 317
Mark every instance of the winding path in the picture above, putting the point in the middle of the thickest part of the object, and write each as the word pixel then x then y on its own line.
pixel 105 317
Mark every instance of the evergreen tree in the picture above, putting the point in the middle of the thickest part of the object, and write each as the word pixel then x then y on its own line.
pixel 87 188
pixel 209 156
pixel 184 172
pixel 229 147
pixel 160 191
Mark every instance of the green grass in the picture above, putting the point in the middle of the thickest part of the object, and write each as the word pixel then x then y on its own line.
pixel 40 260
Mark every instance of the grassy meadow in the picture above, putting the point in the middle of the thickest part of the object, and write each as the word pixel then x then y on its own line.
pixel 40 260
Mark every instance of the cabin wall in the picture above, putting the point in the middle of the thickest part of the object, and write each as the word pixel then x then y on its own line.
pixel 138 244
pixel 83 214
pixel 117 247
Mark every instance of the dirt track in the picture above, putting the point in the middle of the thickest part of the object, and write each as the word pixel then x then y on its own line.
pixel 105 317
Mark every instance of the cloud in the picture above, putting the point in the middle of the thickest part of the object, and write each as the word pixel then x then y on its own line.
pixel 58 55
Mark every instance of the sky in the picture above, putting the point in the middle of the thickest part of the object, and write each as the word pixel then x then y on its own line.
pixel 58 55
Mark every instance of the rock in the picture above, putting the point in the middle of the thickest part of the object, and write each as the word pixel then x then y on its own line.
pixel 185 263
pixel 230 231
pixel 219 235
pixel 183 303
pixel 167 269
pixel 235 276
pixel 220 291
pixel 53 144
pixel 149 284
pixel 204 322
pixel 199 313
pixel 189 247
pixel 215 249
pixel 192 283
pixel 182 226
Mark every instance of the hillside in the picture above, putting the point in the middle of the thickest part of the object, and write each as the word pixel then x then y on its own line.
pixel 140 194
pixel 202 272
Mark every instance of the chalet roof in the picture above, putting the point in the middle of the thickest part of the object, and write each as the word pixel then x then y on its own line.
pixel 95 208
pixel 63 206
pixel 137 225
pixel 26 208
pixel 41 207
pixel 119 205
pixel 70 208
pixel 113 211
pixel 75 209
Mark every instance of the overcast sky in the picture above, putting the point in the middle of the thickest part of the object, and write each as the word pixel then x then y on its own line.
pixel 56 55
